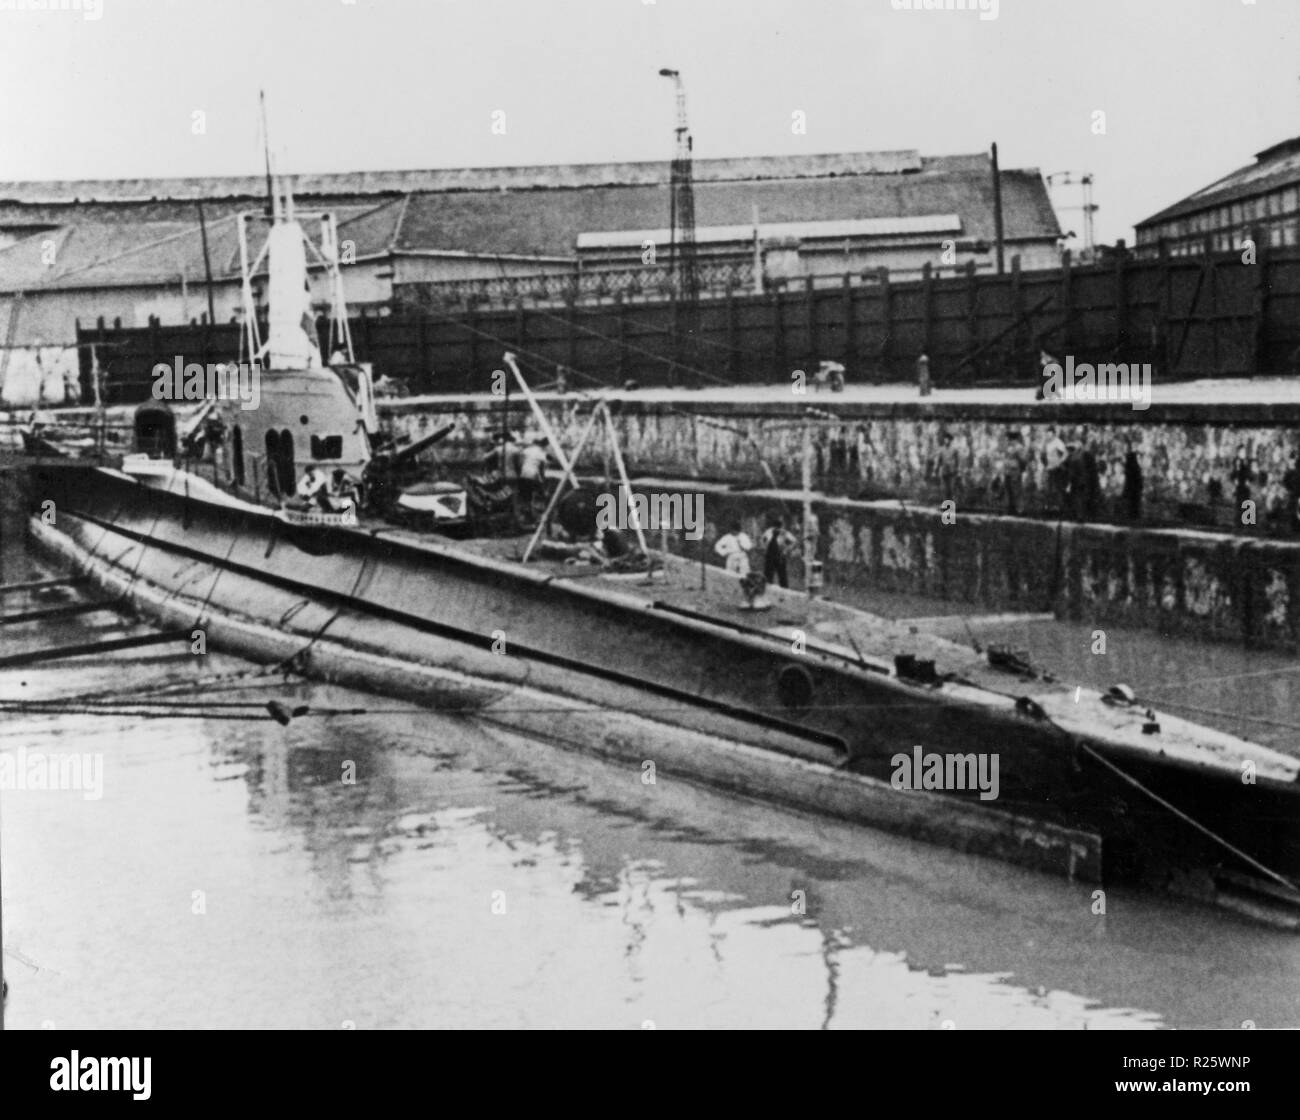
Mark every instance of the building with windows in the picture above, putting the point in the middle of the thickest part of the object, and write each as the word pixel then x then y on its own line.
pixel 133 249
pixel 1262 197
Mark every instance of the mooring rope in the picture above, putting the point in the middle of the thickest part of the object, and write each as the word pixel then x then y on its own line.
pixel 1227 845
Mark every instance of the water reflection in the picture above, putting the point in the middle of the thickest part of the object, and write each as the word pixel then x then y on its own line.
pixel 465 876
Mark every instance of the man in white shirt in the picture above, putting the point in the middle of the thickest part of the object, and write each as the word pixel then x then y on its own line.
pixel 314 487
pixel 532 472
pixel 1054 456
pixel 734 548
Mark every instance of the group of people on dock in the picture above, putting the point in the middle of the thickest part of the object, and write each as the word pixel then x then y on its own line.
pixel 1071 473
pixel 1066 472
pixel 523 464
pixel 777 544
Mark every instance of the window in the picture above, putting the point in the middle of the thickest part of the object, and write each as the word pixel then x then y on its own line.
pixel 279 462
pixel 327 447
pixel 272 458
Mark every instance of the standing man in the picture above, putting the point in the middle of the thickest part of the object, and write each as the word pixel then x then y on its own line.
pixel 948 460
pixel 1133 485
pixel 1076 482
pixel 1045 361
pixel 1092 480
pixel 532 473
pixel 1013 470
pixel 1242 475
pixel 776 540
pixel 734 548
pixel 1054 456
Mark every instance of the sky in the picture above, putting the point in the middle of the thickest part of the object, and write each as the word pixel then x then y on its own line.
pixel 1189 89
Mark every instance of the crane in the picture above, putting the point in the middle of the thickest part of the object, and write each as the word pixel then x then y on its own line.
pixel 1084 180
pixel 682 259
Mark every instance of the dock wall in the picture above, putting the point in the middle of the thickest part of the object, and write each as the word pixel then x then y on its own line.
pixel 878 450
pixel 1176 582
pixel 1218 579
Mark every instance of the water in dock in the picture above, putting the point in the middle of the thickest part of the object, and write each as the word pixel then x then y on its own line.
pixel 227 877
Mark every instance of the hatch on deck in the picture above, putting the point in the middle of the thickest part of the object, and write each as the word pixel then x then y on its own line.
pixel 155 430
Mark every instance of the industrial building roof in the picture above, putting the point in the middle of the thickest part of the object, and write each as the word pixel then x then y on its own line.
pixel 116 254
pixel 520 212
pixel 1274 167
pixel 549 222
pixel 553 176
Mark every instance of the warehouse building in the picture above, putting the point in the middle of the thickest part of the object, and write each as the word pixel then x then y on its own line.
pixel 132 249
pixel 1263 196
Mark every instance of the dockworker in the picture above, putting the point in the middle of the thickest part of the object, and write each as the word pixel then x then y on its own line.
pixel 313 488
pixel 1054 456
pixel 1091 480
pixel 504 456
pixel 734 548
pixel 1241 476
pixel 948 459
pixel 776 540
pixel 1076 482
pixel 1013 471
pixel 1132 485
pixel 532 472
pixel 343 490
pixel 1044 361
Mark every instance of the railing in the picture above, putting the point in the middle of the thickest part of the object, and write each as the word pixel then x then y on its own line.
pixel 648 282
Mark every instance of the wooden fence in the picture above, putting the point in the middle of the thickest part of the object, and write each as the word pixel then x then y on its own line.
pixel 1209 315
